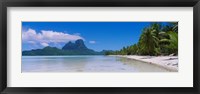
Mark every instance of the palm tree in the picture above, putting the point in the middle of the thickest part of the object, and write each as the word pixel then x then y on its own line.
pixel 134 49
pixel 148 42
pixel 173 46
pixel 172 26
pixel 154 40
pixel 175 26
pixel 169 43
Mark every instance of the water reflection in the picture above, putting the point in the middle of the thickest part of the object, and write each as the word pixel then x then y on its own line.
pixel 85 64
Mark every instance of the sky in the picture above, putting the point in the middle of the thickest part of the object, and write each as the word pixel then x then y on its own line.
pixel 96 35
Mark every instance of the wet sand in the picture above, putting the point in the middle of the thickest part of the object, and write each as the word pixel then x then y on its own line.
pixel 167 62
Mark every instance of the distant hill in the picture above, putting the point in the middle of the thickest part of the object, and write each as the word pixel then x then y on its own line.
pixel 77 48
pixel 78 45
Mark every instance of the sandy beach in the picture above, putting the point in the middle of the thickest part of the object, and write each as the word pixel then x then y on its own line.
pixel 168 62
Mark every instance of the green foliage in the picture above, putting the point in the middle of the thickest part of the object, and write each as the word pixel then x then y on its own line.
pixel 173 42
pixel 154 40
pixel 148 41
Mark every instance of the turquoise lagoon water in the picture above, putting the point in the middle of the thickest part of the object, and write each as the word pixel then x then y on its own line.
pixel 85 64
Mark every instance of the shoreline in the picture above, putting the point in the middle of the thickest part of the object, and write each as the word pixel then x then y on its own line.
pixel 168 62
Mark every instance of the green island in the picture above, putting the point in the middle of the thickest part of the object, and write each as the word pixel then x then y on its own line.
pixel 77 48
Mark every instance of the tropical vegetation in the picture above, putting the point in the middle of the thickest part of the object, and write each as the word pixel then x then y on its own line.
pixel 156 39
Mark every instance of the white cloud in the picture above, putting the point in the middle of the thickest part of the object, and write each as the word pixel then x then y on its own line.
pixel 44 44
pixel 92 42
pixel 46 37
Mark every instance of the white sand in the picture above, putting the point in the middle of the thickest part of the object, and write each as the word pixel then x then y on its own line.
pixel 168 62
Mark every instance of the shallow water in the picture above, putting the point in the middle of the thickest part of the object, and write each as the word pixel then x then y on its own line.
pixel 85 64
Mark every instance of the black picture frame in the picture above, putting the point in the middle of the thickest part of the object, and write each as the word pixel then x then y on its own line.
pixel 99 3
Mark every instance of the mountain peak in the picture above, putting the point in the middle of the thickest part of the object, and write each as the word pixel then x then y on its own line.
pixel 78 45
pixel 79 40
pixel 70 48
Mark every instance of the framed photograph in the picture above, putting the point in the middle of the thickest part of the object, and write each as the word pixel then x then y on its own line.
pixel 85 46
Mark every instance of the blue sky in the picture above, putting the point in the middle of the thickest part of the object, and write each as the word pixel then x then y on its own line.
pixel 96 35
